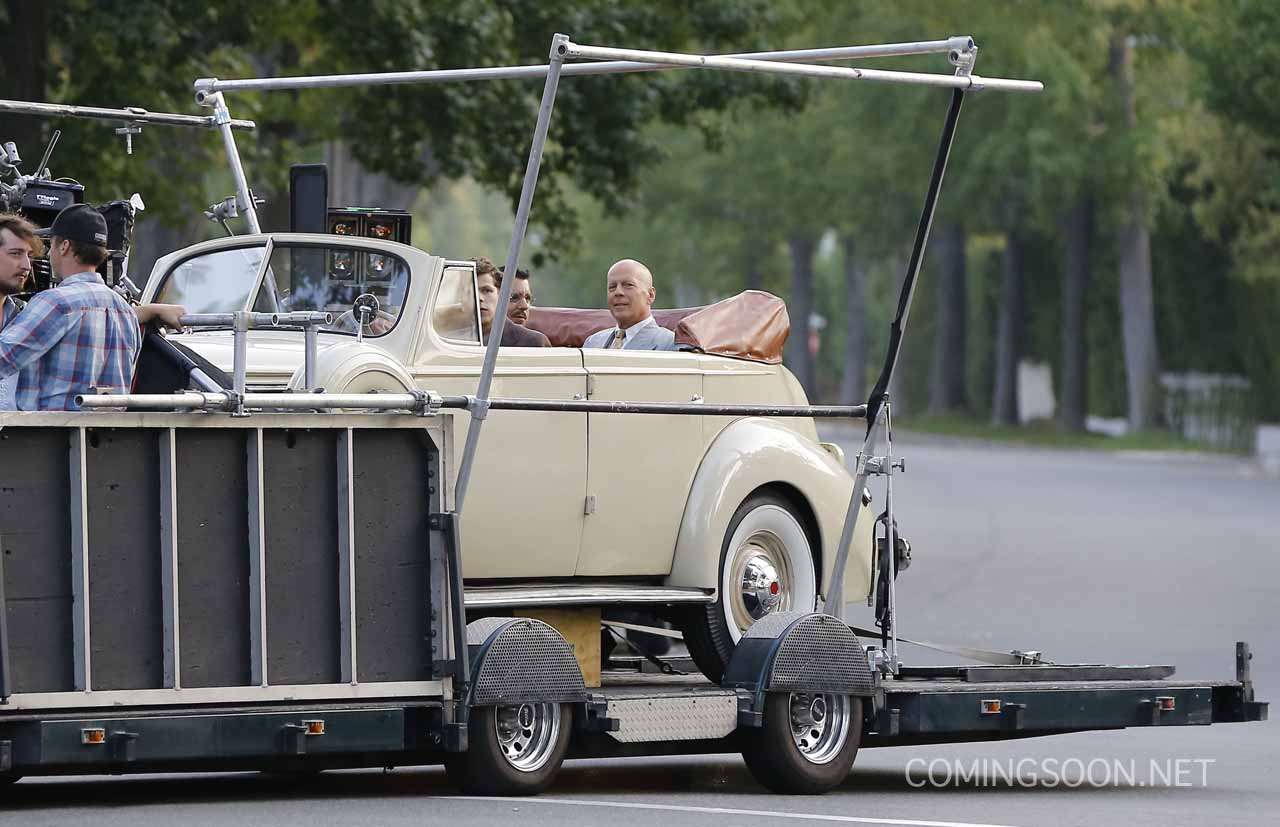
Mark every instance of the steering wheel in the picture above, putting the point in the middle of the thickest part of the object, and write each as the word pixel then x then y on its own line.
pixel 346 323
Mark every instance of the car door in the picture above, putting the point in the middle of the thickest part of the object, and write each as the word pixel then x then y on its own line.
pixel 523 514
pixel 639 466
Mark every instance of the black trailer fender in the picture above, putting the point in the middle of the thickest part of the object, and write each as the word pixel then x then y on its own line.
pixel 521 660
pixel 805 652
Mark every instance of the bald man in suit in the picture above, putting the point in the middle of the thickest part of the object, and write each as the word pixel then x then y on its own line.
pixel 630 291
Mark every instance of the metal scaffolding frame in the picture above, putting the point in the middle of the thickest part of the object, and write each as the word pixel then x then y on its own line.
pixel 962 53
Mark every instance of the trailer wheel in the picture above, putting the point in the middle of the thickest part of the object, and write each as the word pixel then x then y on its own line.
pixel 766 566
pixel 512 750
pixel 807 744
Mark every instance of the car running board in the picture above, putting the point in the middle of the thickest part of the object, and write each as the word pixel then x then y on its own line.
pixel 580 594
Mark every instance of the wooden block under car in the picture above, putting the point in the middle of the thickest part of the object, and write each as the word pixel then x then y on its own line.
pixel 581 627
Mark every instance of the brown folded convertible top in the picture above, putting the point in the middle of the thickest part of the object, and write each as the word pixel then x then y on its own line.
pixel 751 325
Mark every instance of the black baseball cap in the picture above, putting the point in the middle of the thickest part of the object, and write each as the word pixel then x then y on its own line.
pixel 79 222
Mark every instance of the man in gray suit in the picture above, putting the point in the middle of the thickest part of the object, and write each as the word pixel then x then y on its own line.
pixel 631 293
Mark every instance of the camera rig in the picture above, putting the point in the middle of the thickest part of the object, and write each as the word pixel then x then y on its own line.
pixel 39 197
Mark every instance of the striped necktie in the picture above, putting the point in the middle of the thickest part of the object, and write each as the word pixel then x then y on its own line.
pixel 619 339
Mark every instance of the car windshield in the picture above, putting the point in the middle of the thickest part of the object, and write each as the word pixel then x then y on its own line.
pixel 299 278
pixel 217 282
pixel 330 279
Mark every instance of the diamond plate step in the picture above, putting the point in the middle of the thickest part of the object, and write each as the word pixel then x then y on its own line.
pixel 703 716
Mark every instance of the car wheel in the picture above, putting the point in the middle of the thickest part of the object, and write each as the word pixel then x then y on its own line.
pixel 807 744
pixel 766 566
pixel 512 750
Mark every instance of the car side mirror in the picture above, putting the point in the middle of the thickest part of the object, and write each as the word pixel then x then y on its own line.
pixel 365 309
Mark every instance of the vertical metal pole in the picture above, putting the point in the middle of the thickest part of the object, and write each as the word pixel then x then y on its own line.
pixel 169 557
pixel 890 539
pixel 311 336
pixel 257 561
pixel 346 554
pixel 458 613
pixel 835 603
pixel 82 657
pixel 899 323
pixel 244 198
pixel 480 410
pixel 240 352
pixel 6 678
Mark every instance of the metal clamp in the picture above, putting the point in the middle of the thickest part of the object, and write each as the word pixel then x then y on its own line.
pixel 428 402
pixel 128 131
pixel 962 56
pixel 478 408
pixel 880 465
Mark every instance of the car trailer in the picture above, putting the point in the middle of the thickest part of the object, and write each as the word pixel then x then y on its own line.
pixel 306 612
pixel 222 580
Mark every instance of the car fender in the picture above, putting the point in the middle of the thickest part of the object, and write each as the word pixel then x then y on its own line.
pixel 357 367
pixel 749 454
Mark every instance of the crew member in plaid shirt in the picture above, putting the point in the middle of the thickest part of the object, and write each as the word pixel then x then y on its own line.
pixel 81 335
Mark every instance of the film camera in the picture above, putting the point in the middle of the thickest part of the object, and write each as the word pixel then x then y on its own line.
pixel 39 198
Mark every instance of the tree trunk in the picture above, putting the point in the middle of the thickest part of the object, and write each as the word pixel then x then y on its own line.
pixel 947 373
pixel 802 250
pixel 1004 399
pixel 1137 303
pixel 1076 226
pixel 853 379
pixel 23 58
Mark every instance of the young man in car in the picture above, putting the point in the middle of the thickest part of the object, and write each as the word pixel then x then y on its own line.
pixel 488 287
pixel 81 335
pixel 630 291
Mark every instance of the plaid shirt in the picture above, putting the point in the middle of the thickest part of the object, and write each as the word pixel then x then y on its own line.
pixel 78 336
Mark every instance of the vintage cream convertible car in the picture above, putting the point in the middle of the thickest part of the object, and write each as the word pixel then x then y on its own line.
pixel 711 521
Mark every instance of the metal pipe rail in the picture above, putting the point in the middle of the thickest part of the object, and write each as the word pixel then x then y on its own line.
pixel 242 320
pixel 678 408
pixel 207 86
pixel 229 401
pixel 734 64
pixel 427 402
pixel 305 317
pixel 133 114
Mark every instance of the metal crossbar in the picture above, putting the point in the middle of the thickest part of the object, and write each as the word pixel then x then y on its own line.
pixel 206 86
pixel 734 64
pixel 132 115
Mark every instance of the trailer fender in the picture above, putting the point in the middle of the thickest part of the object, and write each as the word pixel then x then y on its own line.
pixel 356 367
pixel 805 652
pixel 753 453
pixel 521 660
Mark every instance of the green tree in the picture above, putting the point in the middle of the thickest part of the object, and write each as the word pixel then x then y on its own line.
pixel 155 50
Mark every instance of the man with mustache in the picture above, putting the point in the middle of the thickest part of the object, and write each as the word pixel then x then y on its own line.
pixel 488 287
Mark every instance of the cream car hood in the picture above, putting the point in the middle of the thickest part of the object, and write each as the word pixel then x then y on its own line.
pixel 273 355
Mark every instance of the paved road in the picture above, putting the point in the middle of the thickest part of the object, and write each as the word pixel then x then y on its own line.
pixel 1089 557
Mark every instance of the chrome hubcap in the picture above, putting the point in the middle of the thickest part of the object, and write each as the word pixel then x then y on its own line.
pixel 819 725
pixel 527 734
pixel 761 591
pixel 763 577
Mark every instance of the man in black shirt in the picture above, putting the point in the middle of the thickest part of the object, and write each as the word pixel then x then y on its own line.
pixel 488 286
